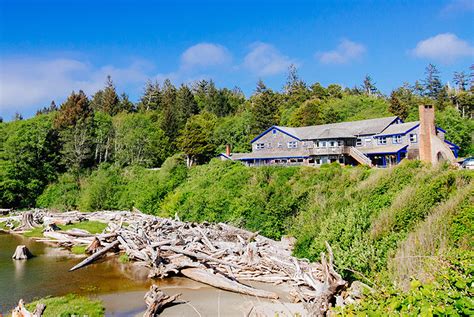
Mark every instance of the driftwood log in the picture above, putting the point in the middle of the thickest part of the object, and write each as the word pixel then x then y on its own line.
pixel 94 256
pixel 219 255
pixel 21 311
pixel 156 301
pixel 22 253
pixel 222 282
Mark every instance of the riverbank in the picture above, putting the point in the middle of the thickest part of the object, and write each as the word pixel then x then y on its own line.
pixel 121 286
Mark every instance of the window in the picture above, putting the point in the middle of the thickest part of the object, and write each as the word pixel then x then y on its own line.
pixel 322 144
pixel 292 145
pixel 368 141
pixel 359 142
pixel 383 140
pixel 413 138
pixel 332 143
pixel 269 145
pixel 279 144
pixel 274 131
pixel 318 161
pixel 340 143
pixel 260 146
pixel 397 139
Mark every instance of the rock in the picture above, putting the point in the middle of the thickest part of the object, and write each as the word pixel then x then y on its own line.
pixel 22 253
pixel 359 289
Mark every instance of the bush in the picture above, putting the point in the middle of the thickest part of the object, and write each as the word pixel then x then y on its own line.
pixel 62 195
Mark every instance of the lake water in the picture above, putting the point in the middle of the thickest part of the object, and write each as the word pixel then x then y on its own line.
pixel 121 287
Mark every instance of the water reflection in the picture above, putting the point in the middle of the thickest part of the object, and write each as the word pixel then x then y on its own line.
pixel 47 274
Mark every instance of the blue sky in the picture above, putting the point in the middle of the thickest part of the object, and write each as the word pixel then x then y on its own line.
pixel 49 48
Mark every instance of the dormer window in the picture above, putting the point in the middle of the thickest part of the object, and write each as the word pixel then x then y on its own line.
pixel 383 140
pixel 260 146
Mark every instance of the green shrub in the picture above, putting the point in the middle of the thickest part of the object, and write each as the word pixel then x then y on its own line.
pixel 61 195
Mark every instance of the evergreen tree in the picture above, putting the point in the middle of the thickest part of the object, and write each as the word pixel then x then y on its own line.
pixel 397 106
pixel 264 108
pixel 75 108
pixel 201 92
pixel 460 80
pixel 368 86
pixel 110 99
pixel 151 99
pixel 197 140
pixel 432 83
pixel 186 106
pixel 170 119
pixel 125 104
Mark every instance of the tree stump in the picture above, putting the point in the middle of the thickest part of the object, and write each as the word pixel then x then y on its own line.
pixel 94 246
pixel 22 253
pixel 27 221
pixel 156 301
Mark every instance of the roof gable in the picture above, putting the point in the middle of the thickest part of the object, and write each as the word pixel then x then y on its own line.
pixel 281 129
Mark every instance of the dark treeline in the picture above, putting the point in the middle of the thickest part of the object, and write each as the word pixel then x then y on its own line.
pixel 198 120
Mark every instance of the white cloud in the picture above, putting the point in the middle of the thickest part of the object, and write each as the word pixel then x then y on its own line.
pixel 445 47
pixel 29 83
pixel 264 59
pixel 457 6
pixel 344 53
pixel 204 55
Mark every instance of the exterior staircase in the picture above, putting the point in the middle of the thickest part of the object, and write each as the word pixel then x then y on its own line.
pixel 359 156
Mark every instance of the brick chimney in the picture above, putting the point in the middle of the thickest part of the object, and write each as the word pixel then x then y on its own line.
pixel 227 150
pixel 427 131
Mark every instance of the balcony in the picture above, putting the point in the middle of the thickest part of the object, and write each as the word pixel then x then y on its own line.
pixel 329 150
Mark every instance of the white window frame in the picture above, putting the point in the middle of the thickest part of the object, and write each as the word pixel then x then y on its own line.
pixel 368 141
pixel 414 138
pixel 358 142
pixel 397 139
pixel 280 145
pixel 322 144
pixel 260 146
pixel 292 144
pixel 382 140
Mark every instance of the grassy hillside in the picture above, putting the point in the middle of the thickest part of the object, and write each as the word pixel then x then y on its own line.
pixel 387 227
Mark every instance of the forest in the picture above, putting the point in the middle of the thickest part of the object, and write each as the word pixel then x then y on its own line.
pixel 88 134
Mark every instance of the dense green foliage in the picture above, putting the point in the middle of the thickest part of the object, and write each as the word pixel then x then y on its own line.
pixel 69 305
pixel 84 133
pixel 111 187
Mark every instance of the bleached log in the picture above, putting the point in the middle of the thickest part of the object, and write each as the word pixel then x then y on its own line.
pixel 199 256
pixel 219 281
pixel 95 256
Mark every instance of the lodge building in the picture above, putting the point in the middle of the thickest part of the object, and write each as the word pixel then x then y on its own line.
pixel 378 142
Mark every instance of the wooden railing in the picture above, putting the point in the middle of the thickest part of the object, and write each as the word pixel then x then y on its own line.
pixel 359 156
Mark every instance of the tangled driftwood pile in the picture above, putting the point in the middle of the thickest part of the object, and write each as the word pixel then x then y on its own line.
pixel 219 255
